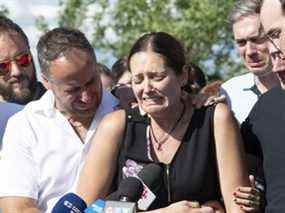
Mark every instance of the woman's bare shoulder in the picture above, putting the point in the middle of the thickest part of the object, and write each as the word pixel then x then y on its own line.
pixel 114 120
pixel 222 112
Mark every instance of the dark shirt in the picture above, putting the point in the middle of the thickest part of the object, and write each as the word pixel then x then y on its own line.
pixel 263 133
pixel 192 174
pixel 40 90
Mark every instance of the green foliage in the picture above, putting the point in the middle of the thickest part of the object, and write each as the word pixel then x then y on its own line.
pixel 4 10
pixel 41 24
pixel 199 24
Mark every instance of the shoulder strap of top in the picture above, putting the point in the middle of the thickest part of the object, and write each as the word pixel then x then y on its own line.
pixel 134 115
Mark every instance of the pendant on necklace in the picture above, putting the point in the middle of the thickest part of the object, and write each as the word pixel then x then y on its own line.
pixel 159 147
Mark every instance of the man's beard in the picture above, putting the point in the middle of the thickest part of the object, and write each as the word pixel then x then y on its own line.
pixel 24 95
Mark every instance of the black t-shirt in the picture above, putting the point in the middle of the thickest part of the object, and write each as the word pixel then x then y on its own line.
pixel 263 133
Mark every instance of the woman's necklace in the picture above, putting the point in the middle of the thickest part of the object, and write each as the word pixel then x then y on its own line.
pixel 160 142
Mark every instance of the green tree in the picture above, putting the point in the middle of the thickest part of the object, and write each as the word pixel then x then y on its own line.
pixel 4 10
pixel 199 24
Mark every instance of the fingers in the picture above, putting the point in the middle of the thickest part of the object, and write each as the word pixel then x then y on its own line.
pixel 216 205
pixel 210 100
pixel 206 209
pixel 246 202
pixel 248 209
pixel 247 196
pixel 248 190
pixel 252 181
pixel 215 99
pixel 193 204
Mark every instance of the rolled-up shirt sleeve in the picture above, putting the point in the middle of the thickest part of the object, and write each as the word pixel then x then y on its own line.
pixel 18 168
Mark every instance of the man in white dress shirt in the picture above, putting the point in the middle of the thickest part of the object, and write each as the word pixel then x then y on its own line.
pixel 243 91
pixel 45 144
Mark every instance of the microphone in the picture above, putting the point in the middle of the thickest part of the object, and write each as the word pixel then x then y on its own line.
pixel 123 200
pixel 128 193
pixel 69 203
pixel 150 176
pixel 96 207
pixel 130 190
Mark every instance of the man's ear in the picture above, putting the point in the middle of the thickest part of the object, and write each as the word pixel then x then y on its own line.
pixel 45 82
pixel 184 75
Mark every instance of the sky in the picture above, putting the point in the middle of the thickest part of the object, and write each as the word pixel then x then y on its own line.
pixel 25 12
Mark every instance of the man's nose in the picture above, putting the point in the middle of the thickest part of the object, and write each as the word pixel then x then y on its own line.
pixel 86 95
pixel 15 69
pixel 250 48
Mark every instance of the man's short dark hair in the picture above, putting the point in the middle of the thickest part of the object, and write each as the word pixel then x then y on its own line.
pixel 8 26
pixel 103 69
pixel 59 41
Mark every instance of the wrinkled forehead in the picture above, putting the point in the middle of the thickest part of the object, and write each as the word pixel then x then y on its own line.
pixel 271 15
pixel 247 26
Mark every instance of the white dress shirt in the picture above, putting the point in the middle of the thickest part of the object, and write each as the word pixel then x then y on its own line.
pixel 240 95
pixel 42 153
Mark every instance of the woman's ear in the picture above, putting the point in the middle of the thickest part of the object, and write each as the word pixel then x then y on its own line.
pixel 184 75
pixel 45 82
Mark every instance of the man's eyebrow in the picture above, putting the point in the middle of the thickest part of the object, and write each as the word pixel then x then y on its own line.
pixel 272 31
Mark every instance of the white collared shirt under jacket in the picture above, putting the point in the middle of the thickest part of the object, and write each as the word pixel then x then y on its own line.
pixel 42 154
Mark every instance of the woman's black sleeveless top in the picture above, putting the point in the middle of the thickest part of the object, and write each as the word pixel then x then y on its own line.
pixel 192 174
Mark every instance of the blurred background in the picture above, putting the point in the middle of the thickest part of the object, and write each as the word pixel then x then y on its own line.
pixel 113 25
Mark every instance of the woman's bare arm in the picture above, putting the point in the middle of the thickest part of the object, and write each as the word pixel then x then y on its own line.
pixel 230 156
pixel 101 161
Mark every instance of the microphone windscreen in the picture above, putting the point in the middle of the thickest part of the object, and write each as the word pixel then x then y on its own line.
pixel 130 188
pixel 69 203
pixel 151 175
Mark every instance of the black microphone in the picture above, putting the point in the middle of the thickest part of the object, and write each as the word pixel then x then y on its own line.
pixel 130 190
pixel 126 197
pixel 150 175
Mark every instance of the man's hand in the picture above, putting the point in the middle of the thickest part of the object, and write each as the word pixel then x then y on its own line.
pixel 201 99
pixel 216 205
pixel 248 198
pixel 18 204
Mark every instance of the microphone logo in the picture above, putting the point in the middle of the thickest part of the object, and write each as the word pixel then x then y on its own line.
pixel 69 205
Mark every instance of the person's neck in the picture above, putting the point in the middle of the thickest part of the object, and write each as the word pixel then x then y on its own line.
pixel 265 82
pixel 80 121
pixel 164 120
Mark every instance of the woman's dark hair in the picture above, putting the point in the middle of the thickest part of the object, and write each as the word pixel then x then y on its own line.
pixel 165 45
pixel 119 68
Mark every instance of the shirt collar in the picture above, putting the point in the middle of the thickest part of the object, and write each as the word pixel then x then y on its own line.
pixel 45 105
pixel 247 86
